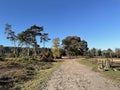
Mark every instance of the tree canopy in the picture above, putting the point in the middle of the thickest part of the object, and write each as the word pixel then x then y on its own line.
pixel 11 35
pixel 28 36
pixel 74 46
pixel 56 48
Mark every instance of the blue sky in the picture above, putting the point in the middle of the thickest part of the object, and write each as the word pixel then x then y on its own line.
pixel 96 21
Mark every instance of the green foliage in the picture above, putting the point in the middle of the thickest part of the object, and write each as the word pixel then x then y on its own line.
pixel 11 35
pixel 107 53
pixel 93 52
pixel 101 53
pixel 117 51
pixel 44 38
pixel 28 37
pixel 74 46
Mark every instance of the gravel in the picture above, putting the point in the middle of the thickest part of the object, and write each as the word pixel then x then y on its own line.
pixel 74 76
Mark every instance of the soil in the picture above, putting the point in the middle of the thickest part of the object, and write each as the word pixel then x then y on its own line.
pixel 74 76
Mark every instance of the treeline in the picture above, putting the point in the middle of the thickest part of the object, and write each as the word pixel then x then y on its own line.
pixel 109 53
pixel 21 51
pixel 8 52
pixel 71 46
pixel 26 44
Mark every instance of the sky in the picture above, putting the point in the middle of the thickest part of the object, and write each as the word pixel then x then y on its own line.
pixel 96 21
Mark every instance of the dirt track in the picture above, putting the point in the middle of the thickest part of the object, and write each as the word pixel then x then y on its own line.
pixel 73 76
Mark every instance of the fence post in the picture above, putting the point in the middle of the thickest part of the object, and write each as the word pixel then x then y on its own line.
pixel 107 64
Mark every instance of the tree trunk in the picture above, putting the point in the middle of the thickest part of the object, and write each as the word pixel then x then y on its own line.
pixel 35 49
pixel 15 49
pixel 28 51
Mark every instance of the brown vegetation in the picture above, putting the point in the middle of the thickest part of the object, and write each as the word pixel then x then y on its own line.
pixel 14 72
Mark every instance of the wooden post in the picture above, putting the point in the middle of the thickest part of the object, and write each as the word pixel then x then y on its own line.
pixel 107 64
pixel 100 64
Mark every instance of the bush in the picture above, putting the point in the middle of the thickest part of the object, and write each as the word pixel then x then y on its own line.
pixel 15 65
pixel 46 55
pixel 12 55
pixel 30 70
pixel 2 59
pixel 27 59
pixel 47 66
pixel 6 82
pixel 17 87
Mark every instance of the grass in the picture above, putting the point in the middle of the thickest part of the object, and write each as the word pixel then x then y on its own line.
pixel 42 75
pixel 114 76
pixel 88 62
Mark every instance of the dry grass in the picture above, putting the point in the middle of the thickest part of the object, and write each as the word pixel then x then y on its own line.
pixel 14 73
pixel 40 78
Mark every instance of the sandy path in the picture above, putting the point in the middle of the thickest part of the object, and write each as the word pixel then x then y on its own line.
pixel 74 76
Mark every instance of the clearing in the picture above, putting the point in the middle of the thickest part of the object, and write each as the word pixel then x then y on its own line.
pixel 74 76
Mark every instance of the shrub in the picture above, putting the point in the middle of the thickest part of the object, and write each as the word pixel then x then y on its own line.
pixel 17 87
pixel 14 64
pixel 30 70
pixel 2 59
pixel 12 55
pixel 6 82
pixel 46 55
pixel 47 66
pixel 27 59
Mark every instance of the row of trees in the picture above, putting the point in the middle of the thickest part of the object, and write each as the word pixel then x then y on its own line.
pixel 109 53
pixel 74 46
pixel 58 51
pixel 71 45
